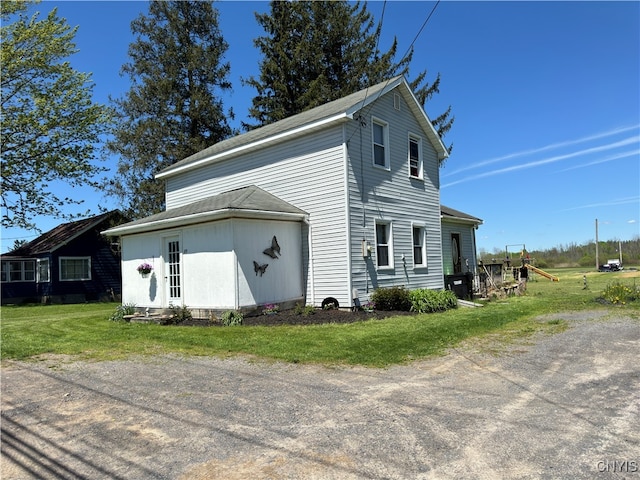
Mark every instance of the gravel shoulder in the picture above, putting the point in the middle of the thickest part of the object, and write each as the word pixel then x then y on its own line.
pixel 561 406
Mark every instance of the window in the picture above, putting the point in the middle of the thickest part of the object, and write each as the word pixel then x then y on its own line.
pixel 18 271
pixel 380 141
pixel 419 246
pixel 415 156
pixel 75 268
pixel 384 251
pixel 43 270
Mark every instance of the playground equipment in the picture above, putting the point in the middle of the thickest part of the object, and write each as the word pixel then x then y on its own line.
pixel 553 278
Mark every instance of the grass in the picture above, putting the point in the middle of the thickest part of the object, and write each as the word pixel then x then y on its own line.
pixel 84 331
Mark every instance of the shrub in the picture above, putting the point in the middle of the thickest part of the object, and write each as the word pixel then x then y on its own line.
pixel 231 318
pixel 620 294
pixel 121 311
pixel 179 314
pixel 305 310
pixel 394 298
pixel 427 301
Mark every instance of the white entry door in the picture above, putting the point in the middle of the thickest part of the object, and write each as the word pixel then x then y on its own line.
pixel 173 271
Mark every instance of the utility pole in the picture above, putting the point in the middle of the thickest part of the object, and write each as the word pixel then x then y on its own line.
pixel 597 262
pixel 620 250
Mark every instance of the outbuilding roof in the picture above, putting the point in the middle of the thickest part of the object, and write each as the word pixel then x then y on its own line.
pixel 338 110
pixel 246 202
pixel 451 214
pixel 61 235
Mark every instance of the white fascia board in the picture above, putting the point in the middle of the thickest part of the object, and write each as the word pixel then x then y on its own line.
pixel 202 218
pixel 466 221
pixel 427 125
pixel 259 143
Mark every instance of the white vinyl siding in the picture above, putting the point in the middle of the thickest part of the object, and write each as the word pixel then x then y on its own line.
pixel 75 268
pixel 308 173
pixel 396 197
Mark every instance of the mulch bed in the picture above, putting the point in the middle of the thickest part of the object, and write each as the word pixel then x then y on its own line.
pixel 289 317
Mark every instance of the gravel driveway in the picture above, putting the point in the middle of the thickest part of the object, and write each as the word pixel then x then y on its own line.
pixel 564 406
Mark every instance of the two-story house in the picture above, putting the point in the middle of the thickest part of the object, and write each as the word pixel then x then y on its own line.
pixel 326 205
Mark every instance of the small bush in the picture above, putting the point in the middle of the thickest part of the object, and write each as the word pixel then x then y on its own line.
pixel 231 318
pixel 121 311
pixel 428 301
pixel 305 310
pixel 394 298
pixel 620 294
pixel 179 314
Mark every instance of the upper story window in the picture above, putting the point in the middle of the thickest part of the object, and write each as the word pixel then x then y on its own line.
pixel 380 143
pixel 384 247
pixel 75 268
pixel 419 246
pixel 18 271
pixel 415 156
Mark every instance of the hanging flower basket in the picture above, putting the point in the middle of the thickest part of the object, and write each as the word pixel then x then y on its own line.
pixel 144 269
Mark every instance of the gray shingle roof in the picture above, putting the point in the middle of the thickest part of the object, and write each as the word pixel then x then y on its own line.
pixel 62 234
pixel 448 212
pixel 342 107
pixel 247 199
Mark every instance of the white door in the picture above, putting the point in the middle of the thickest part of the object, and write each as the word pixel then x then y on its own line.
pixel 173 271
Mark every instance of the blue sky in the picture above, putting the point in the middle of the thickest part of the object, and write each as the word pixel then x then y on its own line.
pixel 546 97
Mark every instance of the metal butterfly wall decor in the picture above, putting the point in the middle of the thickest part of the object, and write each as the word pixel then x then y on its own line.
pixel 259 268
pixel 274 250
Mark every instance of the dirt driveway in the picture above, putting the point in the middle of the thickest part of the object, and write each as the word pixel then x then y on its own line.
pixel 566 406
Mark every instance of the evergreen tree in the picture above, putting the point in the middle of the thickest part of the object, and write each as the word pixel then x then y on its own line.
pixel 173 108
pixel 318 51
pixel 50 126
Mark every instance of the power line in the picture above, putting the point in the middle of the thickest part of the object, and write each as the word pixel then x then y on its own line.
pixel 424 24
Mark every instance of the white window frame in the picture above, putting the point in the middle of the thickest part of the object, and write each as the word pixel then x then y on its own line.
pixel 388 246
pixel 62 272
pixel 423 247
pixel 385 146
pixel 5 267
pixel 418 141
pixel 43 267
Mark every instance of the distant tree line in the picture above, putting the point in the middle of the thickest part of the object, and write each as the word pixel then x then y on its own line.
pixel 574 255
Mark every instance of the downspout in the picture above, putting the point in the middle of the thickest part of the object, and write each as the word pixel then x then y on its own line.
pixel 345 157
pixel 312 286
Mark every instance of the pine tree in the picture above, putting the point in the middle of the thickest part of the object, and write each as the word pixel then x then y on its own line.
pixel 173 108
pixel 50 125
pixel 318 51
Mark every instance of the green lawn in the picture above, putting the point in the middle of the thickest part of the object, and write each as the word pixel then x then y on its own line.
pixel 84 331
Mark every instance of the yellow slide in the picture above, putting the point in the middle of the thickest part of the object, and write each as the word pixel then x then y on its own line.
pixel 553 278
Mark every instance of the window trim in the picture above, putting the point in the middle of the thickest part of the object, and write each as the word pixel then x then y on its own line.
pixel 385 139
pixel 389 245
pixel 6 272
pixel 40 262
pixel 60 276
pixel 420 167
pixel 423 247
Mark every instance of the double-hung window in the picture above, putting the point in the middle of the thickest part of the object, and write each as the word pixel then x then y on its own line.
pixel 419 246
pixel 384 247
pixel 380 143
pixel 415 156
pixel 75 268
pixel 18 271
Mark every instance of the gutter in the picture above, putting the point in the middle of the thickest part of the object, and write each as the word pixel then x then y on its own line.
pixel 193 219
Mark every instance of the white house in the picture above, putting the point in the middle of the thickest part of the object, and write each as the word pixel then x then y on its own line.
pixel 326 205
